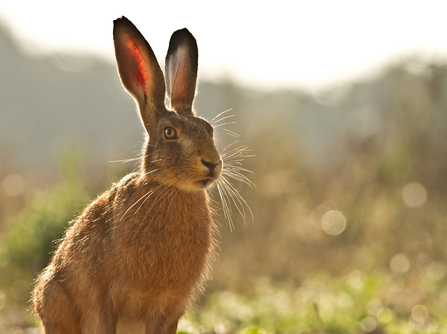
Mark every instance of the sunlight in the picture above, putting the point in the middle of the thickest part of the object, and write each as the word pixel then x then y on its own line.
pixel 305 45
pixel 419 313
pixel 400 263
pixel 333 222
pixel 414 195
pixel 14 185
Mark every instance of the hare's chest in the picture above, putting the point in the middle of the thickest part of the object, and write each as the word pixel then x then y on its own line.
pixel 164 244
pixel 163 271
pixel 166 254
pixel 180 250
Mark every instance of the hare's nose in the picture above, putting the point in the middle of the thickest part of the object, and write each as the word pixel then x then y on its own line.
pixel 210 165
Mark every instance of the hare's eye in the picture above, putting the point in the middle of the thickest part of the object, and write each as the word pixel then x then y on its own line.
pixel 170 133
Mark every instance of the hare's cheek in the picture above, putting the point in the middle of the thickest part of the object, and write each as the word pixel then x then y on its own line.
pixel 187 146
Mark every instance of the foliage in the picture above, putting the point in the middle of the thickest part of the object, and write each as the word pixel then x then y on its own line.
pixel 352 241
pixel 386 186
pixel 355 302
pixel 31 237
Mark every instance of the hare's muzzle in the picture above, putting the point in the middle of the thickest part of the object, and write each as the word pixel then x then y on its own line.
pixel 212 171
pixel 210 165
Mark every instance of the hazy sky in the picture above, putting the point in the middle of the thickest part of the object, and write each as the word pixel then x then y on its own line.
pixel 308 44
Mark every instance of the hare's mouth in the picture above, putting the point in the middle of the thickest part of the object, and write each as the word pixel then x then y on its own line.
pixel 205 182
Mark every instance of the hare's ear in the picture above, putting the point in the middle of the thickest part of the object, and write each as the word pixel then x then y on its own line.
pixel 181 71
pixel 139 70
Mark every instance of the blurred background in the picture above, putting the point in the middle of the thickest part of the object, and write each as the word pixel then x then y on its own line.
pixel 343 104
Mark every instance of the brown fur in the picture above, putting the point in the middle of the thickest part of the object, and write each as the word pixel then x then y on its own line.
pixel 133 258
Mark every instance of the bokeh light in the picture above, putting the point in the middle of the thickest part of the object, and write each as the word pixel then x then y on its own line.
pixel 13 185
pixel 374 307
pixel 420 313
pixel 400 263
pixel 414 194
pixel 436 270
pixel 369 324
pixel 333 222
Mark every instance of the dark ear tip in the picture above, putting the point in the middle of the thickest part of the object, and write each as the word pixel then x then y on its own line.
pixel 182 33
pixel 180 37
pixel 121 21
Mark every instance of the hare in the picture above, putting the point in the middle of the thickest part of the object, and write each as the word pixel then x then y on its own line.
pixel 134 257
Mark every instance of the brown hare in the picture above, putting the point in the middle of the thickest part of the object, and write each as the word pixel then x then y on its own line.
pixel 134 257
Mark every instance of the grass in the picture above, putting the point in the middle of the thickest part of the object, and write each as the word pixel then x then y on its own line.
pixel 384 273
pixel 356 302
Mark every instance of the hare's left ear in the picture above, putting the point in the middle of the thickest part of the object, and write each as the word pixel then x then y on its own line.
pixel 139 71
pixel 181 71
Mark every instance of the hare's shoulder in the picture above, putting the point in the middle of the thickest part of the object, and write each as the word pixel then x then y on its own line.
pixel 97 217
pixel 119 191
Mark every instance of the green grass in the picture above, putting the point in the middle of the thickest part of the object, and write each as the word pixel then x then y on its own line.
pixel 356 302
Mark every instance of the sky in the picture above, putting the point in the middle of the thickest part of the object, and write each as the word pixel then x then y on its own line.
pixel 277 44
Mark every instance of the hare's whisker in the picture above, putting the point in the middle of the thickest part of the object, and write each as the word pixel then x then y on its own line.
pixel 147 194
pixel 168 192
pixel 229 145
pixel 126 160
pixel 234 194
pixel 231 133
pixel 223 118
pixel 150 193
pixel 239 177
pixel 159 196
pixel 149 210
pixel 226 205
pixel 219 125
pixel 151 171
pixel 239 151
pixel 236 197
pixel 223 112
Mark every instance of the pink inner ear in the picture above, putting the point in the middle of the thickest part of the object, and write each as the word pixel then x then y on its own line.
pixel 180 88
pixel 139 70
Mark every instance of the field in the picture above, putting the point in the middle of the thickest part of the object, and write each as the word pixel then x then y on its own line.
pixel 351 240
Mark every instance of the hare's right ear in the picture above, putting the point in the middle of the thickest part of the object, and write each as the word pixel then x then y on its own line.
pixel 139 70
pixel 181 71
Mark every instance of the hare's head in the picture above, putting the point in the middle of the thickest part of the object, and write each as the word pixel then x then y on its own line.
pixel 180 150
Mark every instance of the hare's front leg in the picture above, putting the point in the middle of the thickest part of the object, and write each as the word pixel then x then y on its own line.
pixel 55 309
pixel 108 320
pixel 171 328
pixel 162 325
pixel 97 316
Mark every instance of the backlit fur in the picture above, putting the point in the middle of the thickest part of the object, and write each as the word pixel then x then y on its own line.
pixel 134 257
